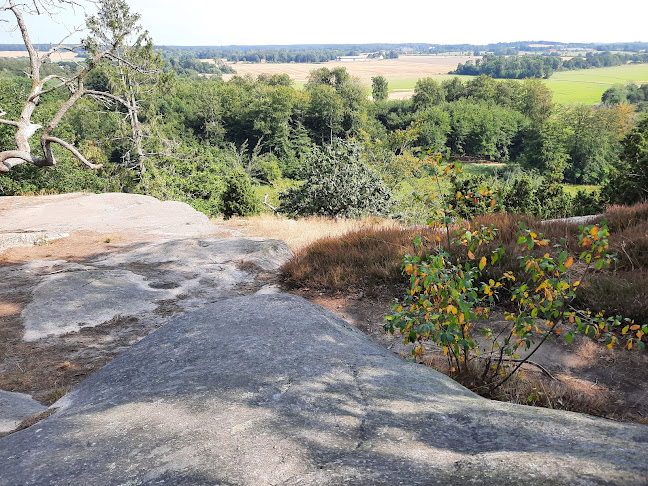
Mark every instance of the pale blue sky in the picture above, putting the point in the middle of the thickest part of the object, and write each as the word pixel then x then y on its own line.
pixel 201 22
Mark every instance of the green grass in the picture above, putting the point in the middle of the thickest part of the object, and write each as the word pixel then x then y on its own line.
pixel 583 86
pixel 587 85
pixel 486 170
pixel 572 189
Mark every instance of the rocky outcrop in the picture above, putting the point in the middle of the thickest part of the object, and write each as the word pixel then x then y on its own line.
pixel 274 390
pixel 26 220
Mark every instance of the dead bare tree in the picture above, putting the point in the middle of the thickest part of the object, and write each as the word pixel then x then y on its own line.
pixel 109 30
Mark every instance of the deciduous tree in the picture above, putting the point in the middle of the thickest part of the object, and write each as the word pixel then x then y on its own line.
pixel 109 32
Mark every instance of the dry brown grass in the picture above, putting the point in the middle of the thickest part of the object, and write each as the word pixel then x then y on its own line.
pixel 366 259
pixel 372 255
pixel 298 234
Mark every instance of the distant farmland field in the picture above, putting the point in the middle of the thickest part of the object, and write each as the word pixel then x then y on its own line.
pixel 402 71
pixel 587 85
pixel 569 87
pixel 59 56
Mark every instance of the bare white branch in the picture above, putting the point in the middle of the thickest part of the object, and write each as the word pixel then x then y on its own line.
pixel 73 151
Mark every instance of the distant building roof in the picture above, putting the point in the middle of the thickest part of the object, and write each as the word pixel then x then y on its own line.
pixel 352 58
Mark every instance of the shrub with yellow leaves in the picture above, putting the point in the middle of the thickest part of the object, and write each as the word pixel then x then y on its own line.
pixel 449 294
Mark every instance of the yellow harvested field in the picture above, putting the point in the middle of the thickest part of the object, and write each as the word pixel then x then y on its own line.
pixel 403 68
pixel 59 56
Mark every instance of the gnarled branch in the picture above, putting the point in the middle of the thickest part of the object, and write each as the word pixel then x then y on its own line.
pixel 70 148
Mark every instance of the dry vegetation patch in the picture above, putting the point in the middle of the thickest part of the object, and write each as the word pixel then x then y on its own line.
pixel 298 234
pixel 358 274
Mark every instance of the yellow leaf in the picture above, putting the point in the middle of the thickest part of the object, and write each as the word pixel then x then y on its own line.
pixel 482 263
pixel 445 350
pixel 569 262
pixel 635 327
pixel 470 255
pixel 625 329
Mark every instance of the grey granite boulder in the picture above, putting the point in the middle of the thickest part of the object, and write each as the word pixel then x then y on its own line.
pixel 16 407
pixel 271 389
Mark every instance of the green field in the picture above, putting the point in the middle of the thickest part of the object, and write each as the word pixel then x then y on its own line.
pixel 584 86
pixel 587 85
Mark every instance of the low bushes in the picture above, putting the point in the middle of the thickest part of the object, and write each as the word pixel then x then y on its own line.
pixel 371 259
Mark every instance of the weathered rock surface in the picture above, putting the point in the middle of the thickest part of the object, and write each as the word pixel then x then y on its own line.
pixel 16 407
pixel 75 315
pixel 134 282
pixel 275 390
pixel 26 220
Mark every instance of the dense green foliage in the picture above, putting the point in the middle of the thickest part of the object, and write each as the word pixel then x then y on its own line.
pixel 337 183
pixel 629 181
pixel 629 93
pixel 187 135
pixel 238 196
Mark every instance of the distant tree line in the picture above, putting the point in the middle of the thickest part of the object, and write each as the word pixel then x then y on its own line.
pixel 520 67
pixel 182 66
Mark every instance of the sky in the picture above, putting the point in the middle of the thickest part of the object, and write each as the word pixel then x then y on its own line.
pixel 259 22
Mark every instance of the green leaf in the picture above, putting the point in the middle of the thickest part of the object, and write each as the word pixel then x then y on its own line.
pixel 569 337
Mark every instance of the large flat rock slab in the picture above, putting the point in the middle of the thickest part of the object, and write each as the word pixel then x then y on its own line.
pixel 136 280
pixel 274 390
pixel 29 219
